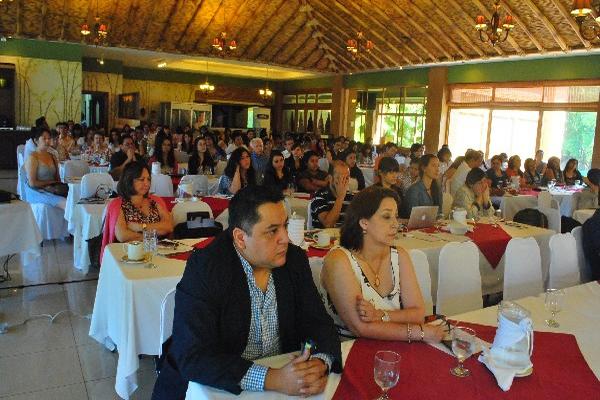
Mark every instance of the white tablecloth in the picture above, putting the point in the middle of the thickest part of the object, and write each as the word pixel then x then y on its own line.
pixel 510 205
pixel 492 279
pixel 61 170
pixel 368 173
pixel 583 215
pixel 579 317
pixel 21 232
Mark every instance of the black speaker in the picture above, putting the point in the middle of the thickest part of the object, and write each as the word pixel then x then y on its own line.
pixel 367 100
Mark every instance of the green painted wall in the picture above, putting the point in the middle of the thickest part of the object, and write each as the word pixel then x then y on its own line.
pixel 405 77
pixel 303 84
pixel 41 49
pixel 556 68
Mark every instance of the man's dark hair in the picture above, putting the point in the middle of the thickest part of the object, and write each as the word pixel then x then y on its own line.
pixel 474 176
pixel 243 208
pixel 131 172
pixel 122 139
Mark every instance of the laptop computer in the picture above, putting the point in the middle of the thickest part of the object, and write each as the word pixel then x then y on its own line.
pixel 422 217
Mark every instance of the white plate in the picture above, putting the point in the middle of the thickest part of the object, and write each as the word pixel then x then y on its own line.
pixel 126 260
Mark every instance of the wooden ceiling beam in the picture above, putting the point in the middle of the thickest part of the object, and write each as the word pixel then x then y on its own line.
pixel 504 4
pixel 317 35
pixel 398 43
pixel 189 23
pixel 340 23
pixel 127 25
pixel 43 25
pixel 283 45
pixel 567 16
pixel 439 30
pixel 253 37
pixel 281 28
pixel 555 35
pixel 147 25
pixel 470 20
pixel 485 11
pixel 300 46
pixel 200 36
pixel 459 31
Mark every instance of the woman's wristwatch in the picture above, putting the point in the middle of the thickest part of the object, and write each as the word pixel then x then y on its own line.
pixel 385 317
pixel 144 226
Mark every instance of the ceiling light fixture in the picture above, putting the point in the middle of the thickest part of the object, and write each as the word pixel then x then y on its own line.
pixel 162 64
pixel 583 12
pixel 206 87
pixel 220 45
pixel 96 33
pixel 496 30
pixel 359 46
pixel 266 94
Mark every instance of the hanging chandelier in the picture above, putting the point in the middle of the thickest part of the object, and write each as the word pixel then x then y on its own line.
pixel 266 94
pixel 496 30
pixel 207 88
pixel 583 13
pixel 221 46
pixel 359 46
pixel 96 33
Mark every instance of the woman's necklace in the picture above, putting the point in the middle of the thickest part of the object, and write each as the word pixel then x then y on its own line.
pixel 377 281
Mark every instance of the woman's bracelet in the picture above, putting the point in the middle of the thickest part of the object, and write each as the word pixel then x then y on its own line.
pixel 408 332
pixel 422 333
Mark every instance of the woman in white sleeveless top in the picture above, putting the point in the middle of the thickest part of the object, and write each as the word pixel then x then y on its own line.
pixel 372 290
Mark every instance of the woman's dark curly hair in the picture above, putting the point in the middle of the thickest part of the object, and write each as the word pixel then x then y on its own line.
pixel 234 161
pixel 132 171
pixel 364 205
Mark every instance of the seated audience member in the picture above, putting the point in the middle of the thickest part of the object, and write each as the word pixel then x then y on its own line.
pixel 571 174
pixel 277 175
pixel 66 143
pixel 514 167
pixel 122 158
pixel 372 289
pixel 259 159
pixel 201 161
pixel 474 196
pixel 98 152
pixel 498 178
pixel 472 160
pixel 410 175
pixel 287 147
pixel 217 153
pixel 311 178
pixel 164 154
pixel 426 191
pixel 483 166
pixel 349 157
pixel 591 243
pixel 239 172
pixel 41 167
pixel 416 151
pixel 140 142
pixel 135 210
pixel 113 140
pixel 540 165
pixel 449 174
pixel 249 295
pixel 588 198
pixel 328 206
pixel 294 161
pixel 531 177
pixel 553 172
pixel 237 141
pixel 389 172
pixel 445 157
pixel 187 143
pixel 389 150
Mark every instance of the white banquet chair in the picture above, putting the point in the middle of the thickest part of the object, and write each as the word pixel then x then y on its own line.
pixel 522 269
pixel 544 199
pixel 553 216
pixel 199 182
pixel 167 314
pixel 50 220
pixel 459 279
pixel 585 271
pixel 324 164
pixel 421 265
pixel 21 171
pixel 92 181
pixel 181 210
pixel 161 185
pixel 564 271
pixel 309 224
pixel 75 168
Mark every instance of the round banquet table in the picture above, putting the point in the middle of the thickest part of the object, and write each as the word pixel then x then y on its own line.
pixel 510 205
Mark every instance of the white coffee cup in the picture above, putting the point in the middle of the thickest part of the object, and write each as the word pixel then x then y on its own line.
pixel 135 250
pixel 323 239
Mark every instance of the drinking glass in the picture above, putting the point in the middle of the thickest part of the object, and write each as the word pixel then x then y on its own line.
pixel 551 184
pixel 439 222
pixel 291 189
pixel 386 371
pixel 553 303
pixel 464 343
pixel 151 245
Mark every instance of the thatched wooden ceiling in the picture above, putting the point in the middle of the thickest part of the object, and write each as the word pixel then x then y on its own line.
pixel 308 34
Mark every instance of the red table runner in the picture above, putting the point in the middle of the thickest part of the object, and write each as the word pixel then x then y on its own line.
pixel 559 372
pixel 491 242
pixel 169 202
pixel 217 204
pixel 184 255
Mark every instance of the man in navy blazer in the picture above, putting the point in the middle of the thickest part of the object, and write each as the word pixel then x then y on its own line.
pixel 249 295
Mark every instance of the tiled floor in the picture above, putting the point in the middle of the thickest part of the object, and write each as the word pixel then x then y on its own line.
pixel 45 361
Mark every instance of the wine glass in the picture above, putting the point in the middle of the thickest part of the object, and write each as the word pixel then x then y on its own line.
pixel 464 343
pixel 151 245
pixel 386 371
pixel 439 222
pixel 553 303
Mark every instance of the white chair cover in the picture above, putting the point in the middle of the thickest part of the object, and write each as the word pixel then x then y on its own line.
pixel 223 219
pixel 181 209
pixel 421 266
pixel 161 185
pixel 167 314
pixel 553 216
pixel 200 182
pixel 324 164
pixel 459 279
pixel 92 181
pixel 544 199
pixel 447 201
pixel 181 156
pixel 220 168
pixel 564 271
pixel 585 271
pixel 309 224
pixel 50 220
pixel 75 168
pixel 522 269
pixel 21 171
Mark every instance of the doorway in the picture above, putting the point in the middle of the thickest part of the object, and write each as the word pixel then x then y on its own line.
pixel 94 109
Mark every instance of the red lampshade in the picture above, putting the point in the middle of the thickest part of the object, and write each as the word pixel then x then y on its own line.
pixel 233 45
pixel 85 29
pixel 508 22
pixel 581 7
pixel 370 45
